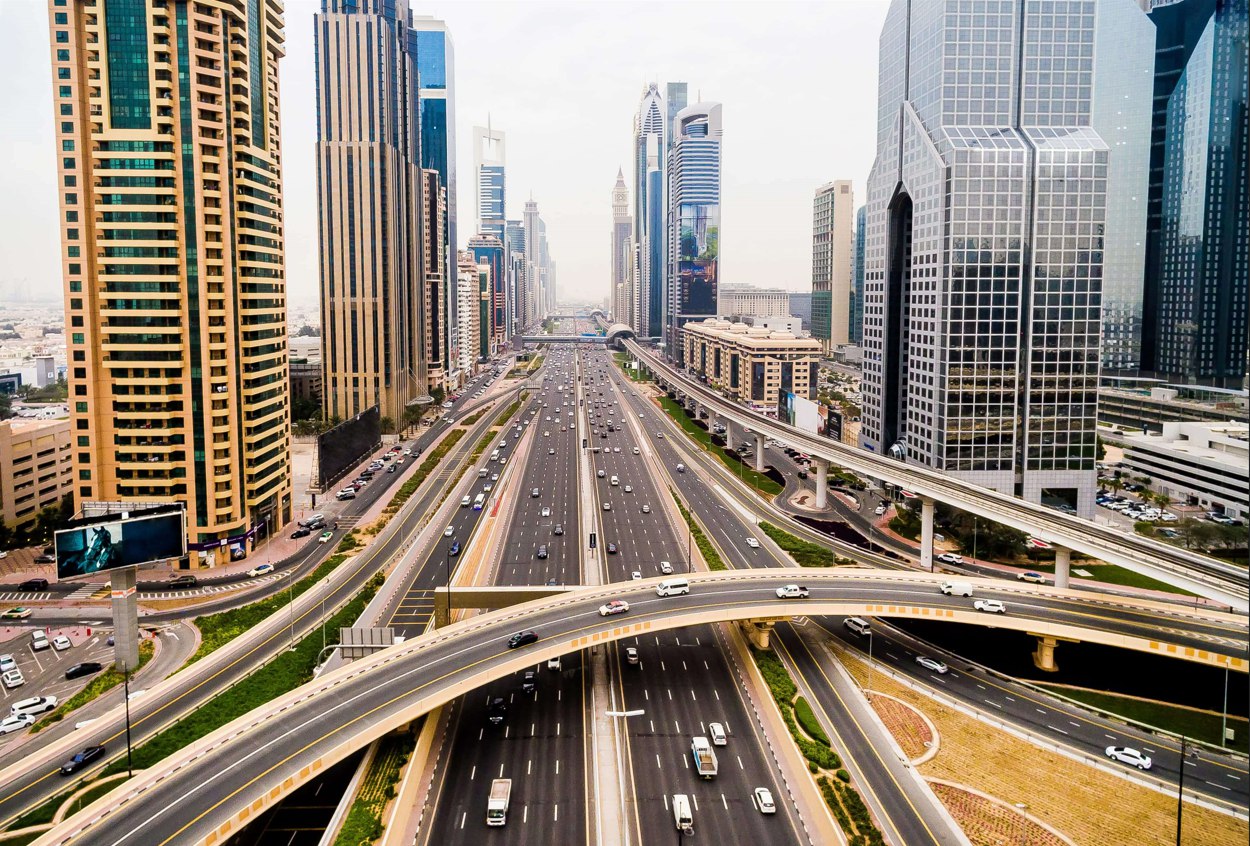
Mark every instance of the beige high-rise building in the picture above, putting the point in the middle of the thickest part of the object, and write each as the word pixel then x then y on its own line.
pixel 169 178
pixel 36 470
pixel 833 217
pixel 370 211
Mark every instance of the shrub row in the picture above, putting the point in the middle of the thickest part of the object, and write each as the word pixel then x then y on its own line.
pixel 710 555
pixel 363 823
pixel 759 481
pixel 806 553
pixel 784 691
pixel 807 720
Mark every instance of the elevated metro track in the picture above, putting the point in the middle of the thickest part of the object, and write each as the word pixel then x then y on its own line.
pixel 210 790
pixel 1219 580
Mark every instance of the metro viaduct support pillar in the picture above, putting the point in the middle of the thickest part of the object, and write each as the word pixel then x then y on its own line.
pixel 1063 565
pixel 926 533
pixel 822 482
pixel 759 453
pixel 758 631
pixel 1044 655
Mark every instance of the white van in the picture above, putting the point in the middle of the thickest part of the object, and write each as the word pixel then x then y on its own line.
pixel 858 625
pixel 672 587
pixel 615 481
pixel 481 473
pixel 479 502
pixel 494 456
pixel 957 588
pixel 38 640
pixel 465 501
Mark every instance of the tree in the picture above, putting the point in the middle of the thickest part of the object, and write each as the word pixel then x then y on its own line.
pixel 388 425
pixel 1115 484
pixel 6 406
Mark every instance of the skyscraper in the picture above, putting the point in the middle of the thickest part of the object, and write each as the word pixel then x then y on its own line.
pixel 650 230
pixel 530 294
pixel 430 41
pixel 832 211
pixel 1198 219
pixel 440 350
pixel 370 211
pixel 694 219
pixel 488 250
pixel 622 223
pixel 514 257
pixel 172 257
pixel 468 292
pixel 488 168
pixel 984 249
pixel 856 329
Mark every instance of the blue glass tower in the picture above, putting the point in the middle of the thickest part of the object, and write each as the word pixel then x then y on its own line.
pixel 857 278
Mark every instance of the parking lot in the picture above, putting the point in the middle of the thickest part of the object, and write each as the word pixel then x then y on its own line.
pixel 43 672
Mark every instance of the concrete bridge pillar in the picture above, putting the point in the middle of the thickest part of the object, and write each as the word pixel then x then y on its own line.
pixel 758 631
pixel 822 482
pixel 1044 655
pixel 759 453
pixel 1063 565
pixel 926 533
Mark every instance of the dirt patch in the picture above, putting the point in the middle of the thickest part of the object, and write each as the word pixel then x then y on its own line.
pixel 1092 807
pixel 988 823
pixel 910 730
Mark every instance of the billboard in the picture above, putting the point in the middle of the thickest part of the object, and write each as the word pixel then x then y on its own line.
pixel 342 447
pixel 108 543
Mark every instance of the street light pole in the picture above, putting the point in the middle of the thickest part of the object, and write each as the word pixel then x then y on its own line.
pixel 1180 788
pixel 1224 720
pixel 130 772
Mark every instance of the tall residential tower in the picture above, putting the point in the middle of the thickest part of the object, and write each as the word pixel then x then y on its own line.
pixel 620 242
pixel 833 209
pixel 170 187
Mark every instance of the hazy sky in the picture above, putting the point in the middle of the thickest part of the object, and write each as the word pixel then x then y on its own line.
pixel 798 82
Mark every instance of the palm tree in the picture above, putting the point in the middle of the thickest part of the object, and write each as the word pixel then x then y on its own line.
pixel 1115 484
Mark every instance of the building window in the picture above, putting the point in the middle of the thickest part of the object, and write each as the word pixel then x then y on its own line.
pixel 62 37
pixel 80 407
pixel 76 338
pixel 84 441
pixel 84 475
pixel 67 146
pixel 62 55
pixel 74 252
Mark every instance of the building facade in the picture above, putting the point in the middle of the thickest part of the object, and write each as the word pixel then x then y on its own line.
pixel 1196 463
pixel 622 227
pixel 833 210
pixel 488 250
pixel 1198 221
pixel 489 168
pixel 437 309
pixel 370 209
pixel 856 328
pixel 469 302
pixel 983 260
pixel 760 302
pixel 514 254
pixel 801 307
pixel 694 183
pixel 36 468
pixel 650 232
pixel 751 365
pixel 170 188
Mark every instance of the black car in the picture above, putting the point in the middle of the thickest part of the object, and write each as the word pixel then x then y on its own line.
pixel 183 581
pixel 558 530
pixel 522 638
pixel 34 584
pixel 86 668
pixel 496 711
pixel 46 558
pixel 82 759
pixel 301 532
pixel 542 552
pixel 612 549
pixel 528 682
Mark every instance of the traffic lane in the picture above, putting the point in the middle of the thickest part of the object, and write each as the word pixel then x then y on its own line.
pixel 1220 777
pixel 885 779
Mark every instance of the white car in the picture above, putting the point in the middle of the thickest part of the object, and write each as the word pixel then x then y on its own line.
pixel 60 643
pixel 932 664
pixel 880 509
pixel 792 592
pixel 616 606
pixel 636 575
pixel 629 489
pixel 666 568
pixel 950 558
pixel 646 509
pixel 7 663
pixel 1130 756
pixel 15 723
pixel 753 543
pixel 764 801
pixel 260 570
pixel 449 531
pixel 546 512
pixel 990 606
pixel 14 678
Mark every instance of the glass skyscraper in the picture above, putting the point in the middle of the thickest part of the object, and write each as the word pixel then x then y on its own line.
pixel 856 328
pixel 1198 220
pixel 694 219
pixel 650 232
pixel 984 238
pixel 489 157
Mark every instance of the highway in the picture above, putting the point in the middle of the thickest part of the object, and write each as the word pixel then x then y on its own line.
pixel 29 768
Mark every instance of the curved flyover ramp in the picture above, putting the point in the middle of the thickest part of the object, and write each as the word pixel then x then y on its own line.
pixel 211 789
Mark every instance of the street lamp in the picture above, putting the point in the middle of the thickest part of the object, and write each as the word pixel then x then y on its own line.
pixel 130 772
pixel 1180 785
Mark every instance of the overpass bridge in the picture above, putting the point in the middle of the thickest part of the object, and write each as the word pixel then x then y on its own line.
pixel 1209 577
pixel 208 791
pixel 563 339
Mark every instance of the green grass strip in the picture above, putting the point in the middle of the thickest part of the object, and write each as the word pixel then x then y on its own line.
pixel 808 722
pixel 363 823
pixel 806 553
pixel 759 481
pixel 98 686
pixel 428 466
pixel 784 690
pixel 710 555
pixel 472 418
pixel 284 673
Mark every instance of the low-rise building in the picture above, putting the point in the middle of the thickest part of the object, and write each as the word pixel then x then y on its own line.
pixel 36 468
pixel 1147 404
pixel 305 380
pixel 761 302
pixel 1206 464
pixel 749 364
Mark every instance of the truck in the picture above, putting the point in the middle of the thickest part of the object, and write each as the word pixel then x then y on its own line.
pixel 681 813
pixel 793 592
pixel 497 804
pixel 703 756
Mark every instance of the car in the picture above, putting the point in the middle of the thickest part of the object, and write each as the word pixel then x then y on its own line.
pixel 7 663
pixel 631 655
pixel 600 474
pixel 449 531
pixel 18 613
pixel 45 558
pixel 636 575
pixel 33 585
pixel 932 664
pixel 793 592
pixel 494 477
pixel 557 529
pixel 607 506
pixel 301 532
pixel 990 606
pixel 186 580
pixel 82 759
pixel 348 492
pixel 15 722
pixel 260 570
pixel 522 638
pixel 636 448
pixel 325 537
pixel 454 549
pixel 529 682
pixel 616 449
pixel 1034 578
pixel 763 799
pixel 753 543
pixel 1128 755
pixel 534 493
pixel 646 509
pixel 950 558
pixel 629 489
pixel 612 550
pixel 546 512
pixel 13 678
pixel 60 643
pixel 660 435
pixel 616 606
pixel 32 706
pixel 555 664
pixel 541 552
pixel 86 668
pixel 666 568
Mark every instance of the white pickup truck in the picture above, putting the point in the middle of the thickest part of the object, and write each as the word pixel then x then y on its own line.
pixel 792 592
pixel 703 756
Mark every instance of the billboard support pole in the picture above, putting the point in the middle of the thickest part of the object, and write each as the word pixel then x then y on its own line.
pixel 125 616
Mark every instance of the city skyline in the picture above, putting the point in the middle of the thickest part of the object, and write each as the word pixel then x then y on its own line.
pixel 565 179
